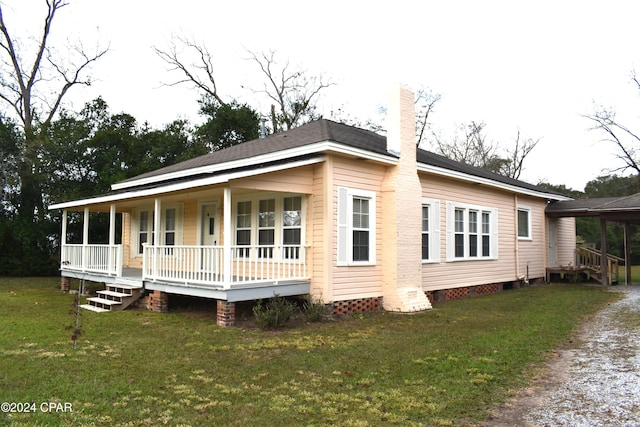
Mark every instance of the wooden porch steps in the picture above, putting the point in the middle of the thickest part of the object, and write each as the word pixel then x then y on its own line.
pixel 93 308
pixel 115 297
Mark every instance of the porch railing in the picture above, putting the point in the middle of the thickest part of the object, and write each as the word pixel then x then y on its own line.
pixel 103 259
pixel 206 264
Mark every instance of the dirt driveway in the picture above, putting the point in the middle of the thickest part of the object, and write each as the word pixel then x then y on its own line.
pixel 594 383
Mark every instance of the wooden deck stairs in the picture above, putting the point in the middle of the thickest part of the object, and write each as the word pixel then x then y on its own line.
pixel 115 297
pixel 588 266
pixel 590 261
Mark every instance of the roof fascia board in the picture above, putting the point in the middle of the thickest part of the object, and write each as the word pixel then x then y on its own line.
pixel 265 158
pixel 488 182
pixel 219 179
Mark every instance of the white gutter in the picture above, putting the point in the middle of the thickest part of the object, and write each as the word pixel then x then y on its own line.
pixel 218 179
pixel 317 147
pixel 488 182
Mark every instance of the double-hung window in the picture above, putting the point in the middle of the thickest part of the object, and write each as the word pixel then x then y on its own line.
pixel 430 230
pixel 144 232
pixel 291 226
pixel 145 229
pixel 170 227
pixel 243 227
pixel 524 223
pixel 266 227
pixel 272 225
pixel 356 227
pixel 472 232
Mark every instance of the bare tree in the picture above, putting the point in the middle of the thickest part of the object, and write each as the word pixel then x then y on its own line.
pixel 20 80
pixel 294 93
pixel 513 164
pixel 200 73
pixel 626 140
pixel 426 100
pixel 474 149
pixel 471 147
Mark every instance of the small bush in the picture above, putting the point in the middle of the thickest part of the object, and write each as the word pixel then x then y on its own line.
pixel 315 310
pixel 274 313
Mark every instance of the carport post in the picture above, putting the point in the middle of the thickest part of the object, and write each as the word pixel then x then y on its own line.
pixel 604 262
pixel 627 252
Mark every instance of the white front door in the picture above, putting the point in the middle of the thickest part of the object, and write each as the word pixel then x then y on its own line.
pixel 209 236
pixel 210 227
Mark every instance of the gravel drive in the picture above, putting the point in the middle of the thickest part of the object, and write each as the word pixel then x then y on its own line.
pixel 595 383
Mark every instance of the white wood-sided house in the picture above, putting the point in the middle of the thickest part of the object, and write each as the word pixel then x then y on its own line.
pixel 357 219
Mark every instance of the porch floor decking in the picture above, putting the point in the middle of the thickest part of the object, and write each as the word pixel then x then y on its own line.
pixel 239 290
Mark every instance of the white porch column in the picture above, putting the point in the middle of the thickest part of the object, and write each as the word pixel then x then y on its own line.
pixel 85 239
pixel 112 236
pixel 63 238
pixel 112 224
pixel 226 250
pixel 157 214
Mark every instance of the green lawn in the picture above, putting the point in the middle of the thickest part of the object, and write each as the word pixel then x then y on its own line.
pixel 447 366
pixel 635 273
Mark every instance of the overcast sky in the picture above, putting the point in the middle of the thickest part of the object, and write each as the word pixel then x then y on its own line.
pixel 537 66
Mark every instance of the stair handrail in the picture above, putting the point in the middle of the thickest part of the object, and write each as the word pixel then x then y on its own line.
pixel 593 259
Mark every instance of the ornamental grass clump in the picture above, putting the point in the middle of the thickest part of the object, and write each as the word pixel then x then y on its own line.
pixel 274 313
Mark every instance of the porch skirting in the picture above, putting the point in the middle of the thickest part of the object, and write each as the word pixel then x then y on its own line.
pixel 361 305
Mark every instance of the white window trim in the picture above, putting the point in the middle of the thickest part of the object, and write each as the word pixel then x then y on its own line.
pixel 434 230
pixel 135 225
pixel 493 232
pixel 527 209
pixel 345 226
pixel 279 209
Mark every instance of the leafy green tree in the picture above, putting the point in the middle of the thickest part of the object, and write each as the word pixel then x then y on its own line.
pixel 156 148
pixel 10 148
pixel 226 124
pixel 612 186
pixel 33 84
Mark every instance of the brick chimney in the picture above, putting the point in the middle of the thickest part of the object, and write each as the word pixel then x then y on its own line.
pixel 402 211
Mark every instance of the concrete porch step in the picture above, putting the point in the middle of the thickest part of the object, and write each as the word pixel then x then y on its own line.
pixel 93 308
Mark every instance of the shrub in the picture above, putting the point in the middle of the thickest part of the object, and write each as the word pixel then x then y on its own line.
pixel 315 310
pixel 274 313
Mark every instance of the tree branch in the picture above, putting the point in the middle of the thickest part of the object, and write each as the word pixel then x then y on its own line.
pixel 172 57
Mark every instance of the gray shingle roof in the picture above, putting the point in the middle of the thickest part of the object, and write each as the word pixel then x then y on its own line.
pixel 327 130
pixel 594 207
pixel 316 131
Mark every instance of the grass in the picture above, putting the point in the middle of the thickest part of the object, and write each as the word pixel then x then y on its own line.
pixel 447 366
pixel 635 273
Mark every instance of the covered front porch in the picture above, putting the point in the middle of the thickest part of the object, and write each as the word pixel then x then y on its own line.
pixel 253 271
pixel 202 243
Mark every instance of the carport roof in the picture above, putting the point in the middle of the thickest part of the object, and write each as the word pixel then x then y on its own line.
pixel 625 207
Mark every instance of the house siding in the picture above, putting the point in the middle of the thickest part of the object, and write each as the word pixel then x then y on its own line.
pixel 295 180
pixel 566 241
pixel 454 274
pixel 126 239
pixel 352 282
pixel 190 222
pixel 320 232
pixel 532 253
